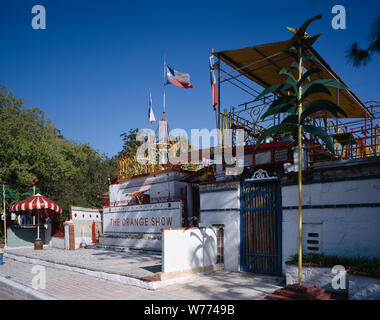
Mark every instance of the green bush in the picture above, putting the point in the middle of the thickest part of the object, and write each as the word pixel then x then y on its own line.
pixel 366 265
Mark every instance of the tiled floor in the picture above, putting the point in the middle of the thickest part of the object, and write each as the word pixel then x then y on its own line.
pixel 132 263
pixel 69 285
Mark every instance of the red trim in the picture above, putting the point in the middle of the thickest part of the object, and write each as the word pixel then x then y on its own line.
pixel 214 96
pixel 180 84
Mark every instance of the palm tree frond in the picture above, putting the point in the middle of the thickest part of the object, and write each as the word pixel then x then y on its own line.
pixel 356 56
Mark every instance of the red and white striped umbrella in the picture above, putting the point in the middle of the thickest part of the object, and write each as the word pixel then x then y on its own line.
pixel 38 203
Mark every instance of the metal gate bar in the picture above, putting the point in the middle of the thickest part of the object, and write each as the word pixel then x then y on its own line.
pixel 261 218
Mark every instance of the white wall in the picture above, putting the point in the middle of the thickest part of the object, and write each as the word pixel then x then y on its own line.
pixel 83 214
pixel 57 242
pixel 229 199
pixel 231 221
pixel 143 243
pixel 83 219
pixel 346 231
pixel 331 193
pixel 158 185
pixel 221 206
pixel 185 249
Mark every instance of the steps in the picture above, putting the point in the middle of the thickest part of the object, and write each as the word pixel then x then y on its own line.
pixel 297 292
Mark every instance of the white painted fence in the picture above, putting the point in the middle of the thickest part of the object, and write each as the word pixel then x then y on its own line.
pixel 186 250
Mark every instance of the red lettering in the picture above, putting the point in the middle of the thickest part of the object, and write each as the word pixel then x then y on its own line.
pixel 169 221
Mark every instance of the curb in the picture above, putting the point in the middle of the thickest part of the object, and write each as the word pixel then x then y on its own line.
pixel 98 274
pixel 150 285
pixel 25 291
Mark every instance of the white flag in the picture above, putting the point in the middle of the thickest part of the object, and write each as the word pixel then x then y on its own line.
pixel 151 117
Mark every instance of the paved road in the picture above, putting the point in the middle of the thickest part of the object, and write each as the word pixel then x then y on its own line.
pixel 69 285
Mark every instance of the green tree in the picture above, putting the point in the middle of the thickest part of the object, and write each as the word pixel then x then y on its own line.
pixel 32 147
pixel 130 142
pixel 10 196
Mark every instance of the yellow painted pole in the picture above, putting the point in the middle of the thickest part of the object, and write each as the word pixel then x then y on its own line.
pixel 34 193
pixel 5 218
pixel 299 169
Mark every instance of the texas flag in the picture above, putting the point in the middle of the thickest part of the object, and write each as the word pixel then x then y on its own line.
pixel 213 84
pixel 177 78
pixel 151 117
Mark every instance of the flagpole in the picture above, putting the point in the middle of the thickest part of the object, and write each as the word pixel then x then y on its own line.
pixel 5 216
pixel 164 84
pixel 216 114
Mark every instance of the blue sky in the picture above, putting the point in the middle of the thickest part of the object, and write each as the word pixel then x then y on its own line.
pixel 93 67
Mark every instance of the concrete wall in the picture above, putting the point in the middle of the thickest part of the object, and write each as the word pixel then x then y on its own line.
pixel 84 214
pixel 320 277
pixel 83 219
pixel 357 287
pixel 139 226
pixel 57 242
pixel 82 233
pixel 186 249
pixel 149 242
pixel 344 214
pixel 159 187
pixel 220 204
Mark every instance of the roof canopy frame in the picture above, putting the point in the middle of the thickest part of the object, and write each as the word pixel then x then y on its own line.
pixel 353 106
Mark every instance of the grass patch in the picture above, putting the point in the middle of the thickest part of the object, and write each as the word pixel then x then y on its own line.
pixel 353 265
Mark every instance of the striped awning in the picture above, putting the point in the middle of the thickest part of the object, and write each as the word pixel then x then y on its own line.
pixel 136 193
pixel 34 204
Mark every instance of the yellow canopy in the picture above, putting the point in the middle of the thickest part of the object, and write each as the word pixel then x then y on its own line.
pixel 263 63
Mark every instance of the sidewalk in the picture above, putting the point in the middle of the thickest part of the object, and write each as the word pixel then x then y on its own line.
pixel 70 285
pixel 131 267
pixel 131 263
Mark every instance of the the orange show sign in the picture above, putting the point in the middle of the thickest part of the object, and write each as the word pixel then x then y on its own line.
pixel 153 221
pixel 143 218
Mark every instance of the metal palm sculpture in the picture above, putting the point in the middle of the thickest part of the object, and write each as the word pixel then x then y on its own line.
pixel 292 104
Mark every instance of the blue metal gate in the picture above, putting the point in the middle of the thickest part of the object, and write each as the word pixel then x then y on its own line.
pixel 260 221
